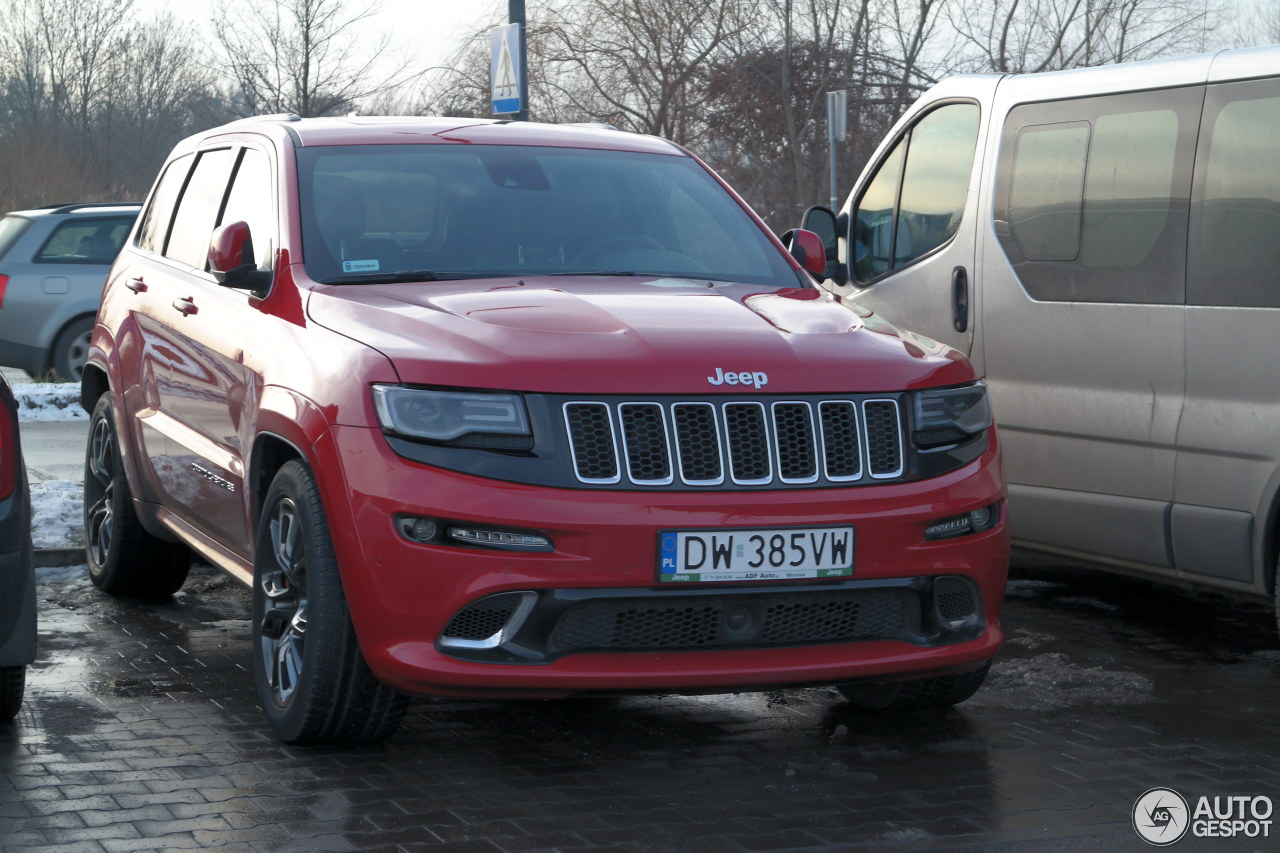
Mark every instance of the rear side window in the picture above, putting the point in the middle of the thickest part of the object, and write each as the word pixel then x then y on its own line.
pixel 85 241
pixel 155 219
pixel 11 228
pixel 1091 201
pixel 915 200
pixel 198 209
pixel 1235 216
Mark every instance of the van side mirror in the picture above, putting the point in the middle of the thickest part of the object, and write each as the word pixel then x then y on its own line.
pixel 231 259
pixel 824 222
pixel 806 247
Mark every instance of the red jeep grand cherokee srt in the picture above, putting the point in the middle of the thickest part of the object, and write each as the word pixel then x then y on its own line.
pixel 492 409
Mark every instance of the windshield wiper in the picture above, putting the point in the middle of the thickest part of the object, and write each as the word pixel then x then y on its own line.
pixel 383 277
pixel 593 272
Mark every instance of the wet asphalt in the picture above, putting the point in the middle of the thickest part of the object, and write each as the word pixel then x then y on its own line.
pixel 141 732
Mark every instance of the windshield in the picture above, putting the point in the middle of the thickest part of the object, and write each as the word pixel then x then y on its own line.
pixel 423 212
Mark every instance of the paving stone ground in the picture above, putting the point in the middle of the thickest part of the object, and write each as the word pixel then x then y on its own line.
pixel 141 732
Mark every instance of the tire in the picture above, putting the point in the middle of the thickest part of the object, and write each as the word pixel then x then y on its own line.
pixel 937 692
pixel 12 682
pixel 71 348
pixel 124 559
pixel 313 682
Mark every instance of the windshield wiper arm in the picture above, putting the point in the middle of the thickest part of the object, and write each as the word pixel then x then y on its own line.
pixel 593 272
pixel 385 277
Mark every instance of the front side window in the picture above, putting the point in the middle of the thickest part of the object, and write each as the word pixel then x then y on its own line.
pixel 916 199
pixel 1091 196
pixel 198 209
pixel 251 200
pixel 1234 255
pixel 85 241
pixel 378 212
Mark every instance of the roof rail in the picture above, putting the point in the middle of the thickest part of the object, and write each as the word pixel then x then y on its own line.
pixel 271 117
pixel 67 208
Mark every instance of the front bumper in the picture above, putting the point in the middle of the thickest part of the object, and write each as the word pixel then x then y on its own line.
pixel 403 595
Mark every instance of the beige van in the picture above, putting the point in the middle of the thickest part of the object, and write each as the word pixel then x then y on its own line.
pixel 1105 246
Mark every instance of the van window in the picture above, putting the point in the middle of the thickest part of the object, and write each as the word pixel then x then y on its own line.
pixel 1093 192
pixel 198 209
pixel 1235 219
pixel 905 219
pixel 1048 183
pixel 155 221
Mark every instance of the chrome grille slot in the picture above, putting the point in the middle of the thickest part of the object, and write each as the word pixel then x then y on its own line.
pixel 884 438
pixel 841 450
pixel 748 441
pixel 644 442
pixel 796 442
pixel 698 444
pixel 595 453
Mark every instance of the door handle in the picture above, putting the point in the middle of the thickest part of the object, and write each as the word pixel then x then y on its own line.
pixel 136 285
pixel 960 299
pixel 186 306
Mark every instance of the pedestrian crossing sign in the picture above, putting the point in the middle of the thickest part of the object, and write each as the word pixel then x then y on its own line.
pixel 504 74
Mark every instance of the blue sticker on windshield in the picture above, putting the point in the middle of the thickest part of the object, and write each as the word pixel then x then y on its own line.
pixel 361 266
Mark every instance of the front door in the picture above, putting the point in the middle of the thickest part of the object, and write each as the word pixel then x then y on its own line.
pixel 909 250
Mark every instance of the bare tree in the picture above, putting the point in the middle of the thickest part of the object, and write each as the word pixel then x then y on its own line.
pixel 303 56
pixel 638 64
pixel 1045 35
pixel 93 98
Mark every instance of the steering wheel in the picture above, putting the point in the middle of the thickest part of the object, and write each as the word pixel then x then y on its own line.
pixel 592 255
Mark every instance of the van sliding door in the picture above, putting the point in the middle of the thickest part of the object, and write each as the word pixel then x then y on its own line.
pixel 1229 437
pixel 1083 316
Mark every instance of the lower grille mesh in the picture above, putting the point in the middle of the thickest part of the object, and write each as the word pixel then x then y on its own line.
pixel 690 622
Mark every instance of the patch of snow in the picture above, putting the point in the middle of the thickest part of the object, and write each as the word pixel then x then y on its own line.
pixel 49 401
pixel 57 517
pixel 63 574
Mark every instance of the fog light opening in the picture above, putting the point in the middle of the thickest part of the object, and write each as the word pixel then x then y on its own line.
pixel 418 529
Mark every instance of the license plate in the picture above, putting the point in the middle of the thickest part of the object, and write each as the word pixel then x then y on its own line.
pixel 784 553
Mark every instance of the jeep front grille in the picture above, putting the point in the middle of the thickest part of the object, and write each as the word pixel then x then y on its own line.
pixel 735 443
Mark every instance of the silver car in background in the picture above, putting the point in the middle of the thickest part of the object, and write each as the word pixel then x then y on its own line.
pixel 53 261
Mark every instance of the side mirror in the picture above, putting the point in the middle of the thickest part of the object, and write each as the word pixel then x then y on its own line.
pixel 824 222
pixel 806 247
pixel 231 258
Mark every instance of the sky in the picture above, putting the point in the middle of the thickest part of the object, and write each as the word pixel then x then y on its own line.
pixel 424 32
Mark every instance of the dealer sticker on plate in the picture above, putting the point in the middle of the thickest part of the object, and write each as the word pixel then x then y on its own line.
pixel 785 553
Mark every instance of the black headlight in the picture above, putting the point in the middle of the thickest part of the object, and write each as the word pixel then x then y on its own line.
pixel 945 417
pixel 483 419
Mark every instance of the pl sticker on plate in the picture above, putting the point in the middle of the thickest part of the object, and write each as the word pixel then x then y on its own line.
pixel 361 266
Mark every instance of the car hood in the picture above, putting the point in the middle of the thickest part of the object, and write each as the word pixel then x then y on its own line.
pixel 612 335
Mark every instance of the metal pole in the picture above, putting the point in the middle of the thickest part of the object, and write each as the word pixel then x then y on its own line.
pixel 515 15
pixel 837 111
pixel 831 144
pixel 832 102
